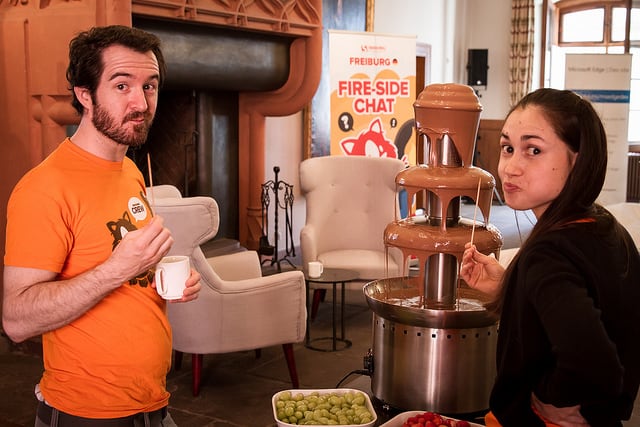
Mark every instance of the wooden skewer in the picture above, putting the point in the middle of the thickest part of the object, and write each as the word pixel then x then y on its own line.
pixel 150 178
pixel 475 211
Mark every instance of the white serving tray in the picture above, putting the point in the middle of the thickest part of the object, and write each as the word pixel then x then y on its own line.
pixel 399 419
pixel 306 392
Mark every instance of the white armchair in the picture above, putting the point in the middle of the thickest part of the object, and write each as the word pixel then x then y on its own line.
pixel 237 308
pixel 349 202
pixel 628 214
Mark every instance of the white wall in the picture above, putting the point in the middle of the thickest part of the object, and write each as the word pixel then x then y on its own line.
pixel 450 27
pixel 488 26
pixel 427 20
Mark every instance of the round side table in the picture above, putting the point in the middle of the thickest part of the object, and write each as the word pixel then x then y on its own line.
pixel 333 276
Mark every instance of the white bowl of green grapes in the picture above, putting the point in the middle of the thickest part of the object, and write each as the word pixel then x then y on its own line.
pixel 335 406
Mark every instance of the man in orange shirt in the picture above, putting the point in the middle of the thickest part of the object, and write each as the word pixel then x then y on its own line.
pixel 82 242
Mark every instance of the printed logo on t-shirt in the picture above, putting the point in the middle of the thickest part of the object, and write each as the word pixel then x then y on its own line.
pixel 120 227
pixel 138 209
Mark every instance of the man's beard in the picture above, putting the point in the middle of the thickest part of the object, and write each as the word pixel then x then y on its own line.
pixel 106 125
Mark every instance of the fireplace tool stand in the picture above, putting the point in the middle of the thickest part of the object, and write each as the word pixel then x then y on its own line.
pixel 276 187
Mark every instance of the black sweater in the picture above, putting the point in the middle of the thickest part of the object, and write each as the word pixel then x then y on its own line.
pixel 570 326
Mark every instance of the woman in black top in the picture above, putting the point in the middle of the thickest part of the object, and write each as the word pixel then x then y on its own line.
pixel 569 341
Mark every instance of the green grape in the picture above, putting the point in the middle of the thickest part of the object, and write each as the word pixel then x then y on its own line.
pixel 317 414
pixel 285 395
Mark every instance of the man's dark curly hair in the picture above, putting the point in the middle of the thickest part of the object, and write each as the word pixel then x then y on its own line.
pixel 85 55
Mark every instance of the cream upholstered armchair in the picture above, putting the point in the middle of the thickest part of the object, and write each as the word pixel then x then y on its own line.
pixel 628 214
pixel 350 200
pixel 238 309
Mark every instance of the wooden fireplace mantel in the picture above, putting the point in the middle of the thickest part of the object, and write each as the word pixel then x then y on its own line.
pixel 35 108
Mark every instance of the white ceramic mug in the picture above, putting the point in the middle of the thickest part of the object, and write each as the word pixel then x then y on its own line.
pixel 315 269
pixel 172 273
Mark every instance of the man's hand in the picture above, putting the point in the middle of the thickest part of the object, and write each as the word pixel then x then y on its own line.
pixel 35 301
pixel 139 250
pixel 192 289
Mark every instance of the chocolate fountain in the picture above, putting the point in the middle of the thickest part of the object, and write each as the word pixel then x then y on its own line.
pixel 433 341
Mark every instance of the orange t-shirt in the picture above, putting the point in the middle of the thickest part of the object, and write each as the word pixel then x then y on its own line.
pixel 66 216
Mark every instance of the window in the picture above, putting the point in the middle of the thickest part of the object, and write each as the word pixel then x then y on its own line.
pixel 595 23
pixel 582 26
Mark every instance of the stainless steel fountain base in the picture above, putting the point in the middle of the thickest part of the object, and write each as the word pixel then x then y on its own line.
pixel 425 359
pixel 449 371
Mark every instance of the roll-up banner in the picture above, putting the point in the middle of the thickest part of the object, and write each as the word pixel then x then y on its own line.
pixel 605 80
pixel 373 88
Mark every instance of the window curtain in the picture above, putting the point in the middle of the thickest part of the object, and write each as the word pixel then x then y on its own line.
pixel 521 56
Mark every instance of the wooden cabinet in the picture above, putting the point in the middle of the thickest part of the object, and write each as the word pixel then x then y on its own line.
pixel 487 151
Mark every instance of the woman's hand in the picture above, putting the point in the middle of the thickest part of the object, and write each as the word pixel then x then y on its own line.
pixel 481 272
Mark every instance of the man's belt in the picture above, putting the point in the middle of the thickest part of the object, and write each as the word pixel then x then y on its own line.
pixel 45 414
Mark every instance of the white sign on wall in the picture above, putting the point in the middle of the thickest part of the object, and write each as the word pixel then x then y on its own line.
pixel 605 80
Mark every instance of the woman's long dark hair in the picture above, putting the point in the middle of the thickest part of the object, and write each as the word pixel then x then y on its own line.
pixel 574 121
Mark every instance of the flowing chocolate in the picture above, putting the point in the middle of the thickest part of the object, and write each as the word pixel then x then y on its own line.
pixel 447 119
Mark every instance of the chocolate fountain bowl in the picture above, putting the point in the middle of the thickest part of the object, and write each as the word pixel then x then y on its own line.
pixel 435 359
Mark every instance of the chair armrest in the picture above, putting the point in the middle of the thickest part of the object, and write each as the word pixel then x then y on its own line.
pixel 237 266
pixel 273 312
pixel 287 279
pixel 242 315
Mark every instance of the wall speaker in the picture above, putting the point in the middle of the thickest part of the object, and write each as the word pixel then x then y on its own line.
pixel 477 66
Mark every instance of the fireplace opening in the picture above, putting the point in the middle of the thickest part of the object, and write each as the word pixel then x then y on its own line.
pixel 193 143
